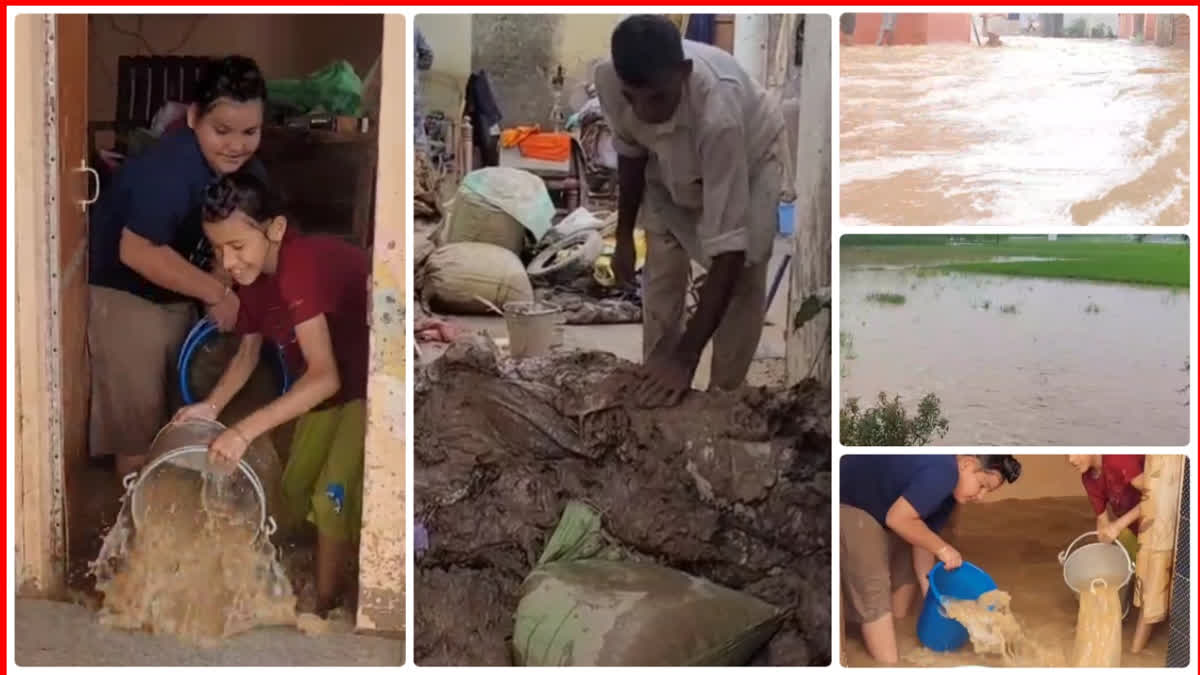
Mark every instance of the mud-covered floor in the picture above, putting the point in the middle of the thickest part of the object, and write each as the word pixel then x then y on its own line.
pixel 61 634
pixel 1017 542
pixel 94 502
pixel 733 487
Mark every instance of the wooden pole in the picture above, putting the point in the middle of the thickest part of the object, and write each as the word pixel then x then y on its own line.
pixel 809 337
pixel 381 605
pixel 1157 539
pixel 39 531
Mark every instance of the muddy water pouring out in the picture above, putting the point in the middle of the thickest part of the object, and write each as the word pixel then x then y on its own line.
pixel 190 554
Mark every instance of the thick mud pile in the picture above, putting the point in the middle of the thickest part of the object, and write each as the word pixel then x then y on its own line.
pixel 730 486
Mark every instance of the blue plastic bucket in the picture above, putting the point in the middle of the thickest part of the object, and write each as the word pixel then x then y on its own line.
pixel 937 631
pixel 206 330
pixel 787 218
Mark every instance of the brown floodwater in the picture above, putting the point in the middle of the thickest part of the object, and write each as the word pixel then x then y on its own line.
pixel 1040 132
pixel 1016 541
pixel 1017 361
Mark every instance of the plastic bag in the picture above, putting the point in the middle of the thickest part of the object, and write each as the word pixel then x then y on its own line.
pixel 334 89
pixel 582 606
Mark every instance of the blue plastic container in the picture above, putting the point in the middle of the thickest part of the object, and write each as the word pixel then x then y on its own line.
pixel 203 331
pixel 934 629
pixel 787 218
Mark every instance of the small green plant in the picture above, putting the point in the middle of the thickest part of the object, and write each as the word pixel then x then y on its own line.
pixel 1008 309
pixel 846 342
pixel 888 423
pixel 887 298
pixel 1092 308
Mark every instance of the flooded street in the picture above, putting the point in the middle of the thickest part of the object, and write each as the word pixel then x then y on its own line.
pixel 1040 132
pixel 1021 361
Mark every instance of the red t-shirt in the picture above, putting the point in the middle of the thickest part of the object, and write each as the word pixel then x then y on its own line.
pixel 314 275
pixel 1110 488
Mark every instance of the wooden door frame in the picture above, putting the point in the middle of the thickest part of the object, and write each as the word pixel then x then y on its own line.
pixel 382 564
pixel 39 497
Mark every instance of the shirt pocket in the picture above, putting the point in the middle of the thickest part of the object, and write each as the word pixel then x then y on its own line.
pixel 683 173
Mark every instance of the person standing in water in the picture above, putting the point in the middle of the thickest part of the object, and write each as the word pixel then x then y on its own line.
pixel 698 170
pixel 893 508
pixel 149 264
pixel 1114 485
pixel 308 294
pixel 887 30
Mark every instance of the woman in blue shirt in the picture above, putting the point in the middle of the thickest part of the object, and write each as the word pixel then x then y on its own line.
pixel 892 509
pixel 149 264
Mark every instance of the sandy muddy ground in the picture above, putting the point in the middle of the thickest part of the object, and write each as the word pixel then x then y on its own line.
pixel 61 634
pixel 1040 132
pixel 1046 372
pixel 1017 541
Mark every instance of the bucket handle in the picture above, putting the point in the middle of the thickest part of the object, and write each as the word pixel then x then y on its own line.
pixel 1063 555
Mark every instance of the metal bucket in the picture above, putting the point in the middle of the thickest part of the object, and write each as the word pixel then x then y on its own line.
pixel 1097 560
pixel 252 488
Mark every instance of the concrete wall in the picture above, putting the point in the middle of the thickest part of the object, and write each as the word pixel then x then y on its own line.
pixel 1042 476
pixel 285 45
pixel 521 53
pixel 915 29
pixel 449 35
pixel 1173 30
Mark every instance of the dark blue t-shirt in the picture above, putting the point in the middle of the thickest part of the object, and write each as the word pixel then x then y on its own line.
pixel 874 482
pixel 157 195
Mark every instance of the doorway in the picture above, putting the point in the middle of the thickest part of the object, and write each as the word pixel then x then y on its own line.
pixel 75 70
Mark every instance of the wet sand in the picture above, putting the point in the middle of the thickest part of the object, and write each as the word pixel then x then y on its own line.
pixel 1017 541
pixel 1041 132
pixel 1049 372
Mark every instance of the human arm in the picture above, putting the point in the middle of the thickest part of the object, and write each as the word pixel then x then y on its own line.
pixel 903 519
pixel 923 562
pixel 1109 531
pixel 724 239
pixel 670 368
pixel 236 375
pixel 319 382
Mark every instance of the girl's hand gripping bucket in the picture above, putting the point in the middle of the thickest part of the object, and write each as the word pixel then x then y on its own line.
pixel 936 630
pixel 182 448
pixel 1097 560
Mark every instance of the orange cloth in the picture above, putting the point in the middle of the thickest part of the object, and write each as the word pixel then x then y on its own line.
pixel 513 137
pixel 551 147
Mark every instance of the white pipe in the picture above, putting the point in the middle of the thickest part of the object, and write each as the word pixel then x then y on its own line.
pixel 750 33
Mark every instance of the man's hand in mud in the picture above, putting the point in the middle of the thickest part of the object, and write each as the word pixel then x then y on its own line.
pixel 666 377
pixel 949 556
pixel 228 448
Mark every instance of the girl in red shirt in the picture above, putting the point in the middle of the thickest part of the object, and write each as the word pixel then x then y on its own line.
pixel 308 294
pixel 1114 484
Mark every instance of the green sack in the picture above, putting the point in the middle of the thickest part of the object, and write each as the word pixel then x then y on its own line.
pixel 335 89
pixel 583 607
